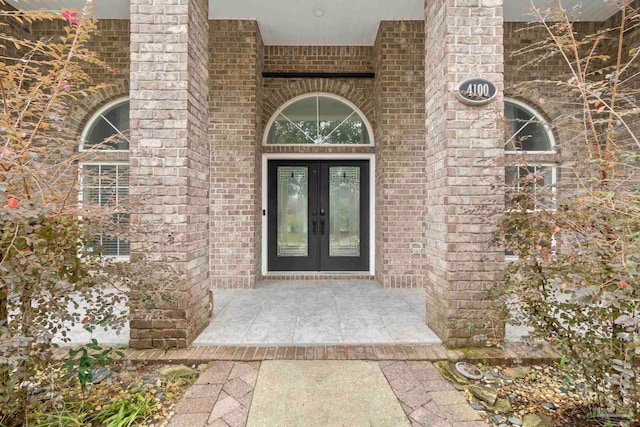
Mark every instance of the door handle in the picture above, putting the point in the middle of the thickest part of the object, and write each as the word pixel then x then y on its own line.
pixel 314 226
pixel 322 227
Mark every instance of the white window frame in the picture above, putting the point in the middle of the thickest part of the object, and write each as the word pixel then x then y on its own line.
pixel 315 95
pixel 94 118
pixel 81 192
pixel 553 169
pixel 554 183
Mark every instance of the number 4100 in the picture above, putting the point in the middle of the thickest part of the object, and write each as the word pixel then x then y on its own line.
pixel 479 90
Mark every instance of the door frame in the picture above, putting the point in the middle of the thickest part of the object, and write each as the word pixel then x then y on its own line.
pixel 371 157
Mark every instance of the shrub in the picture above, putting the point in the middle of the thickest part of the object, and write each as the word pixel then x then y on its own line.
pixel 47 283
pixel 575 282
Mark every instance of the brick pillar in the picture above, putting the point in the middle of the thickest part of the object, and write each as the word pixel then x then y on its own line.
pixel 465 171
pixel 170 166
pixel 400 153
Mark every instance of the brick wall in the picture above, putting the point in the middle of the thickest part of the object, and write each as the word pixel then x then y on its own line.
pixel 326 59
pixel 438 304
pixel 111 43
pixel 234 131
pixel 11 28
pixel 464 169
pixel 400 155
pixel 170 168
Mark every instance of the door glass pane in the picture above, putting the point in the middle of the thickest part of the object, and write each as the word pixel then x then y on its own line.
pixel 344 211
pixel 293 189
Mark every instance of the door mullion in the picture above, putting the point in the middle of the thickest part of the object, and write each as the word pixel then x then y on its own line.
pixel 314 238
pixel 324 213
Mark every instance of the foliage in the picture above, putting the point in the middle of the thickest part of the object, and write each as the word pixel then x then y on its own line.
pixel 48 282
pixel 576 282
pixel 67 413
pixel 126 411
pixel 130 408
pixel 82 361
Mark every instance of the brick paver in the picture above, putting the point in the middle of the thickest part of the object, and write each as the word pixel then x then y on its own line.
pixel 426 398
pixel 221 396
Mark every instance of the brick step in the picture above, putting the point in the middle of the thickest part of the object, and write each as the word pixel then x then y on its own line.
pixel 510 354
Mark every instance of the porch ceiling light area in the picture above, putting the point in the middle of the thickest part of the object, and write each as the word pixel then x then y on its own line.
pixel 353 22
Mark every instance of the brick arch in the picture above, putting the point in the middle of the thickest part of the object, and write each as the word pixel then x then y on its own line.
pixel 340 88
pixel 85 108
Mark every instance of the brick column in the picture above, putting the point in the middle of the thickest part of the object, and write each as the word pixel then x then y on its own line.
pixel 400 153
pixel 170 166
pixel 465 171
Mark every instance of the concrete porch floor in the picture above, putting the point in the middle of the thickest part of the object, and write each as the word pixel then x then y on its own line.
pixel 318 312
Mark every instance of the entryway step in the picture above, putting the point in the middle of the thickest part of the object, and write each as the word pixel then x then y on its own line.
pixel 515 353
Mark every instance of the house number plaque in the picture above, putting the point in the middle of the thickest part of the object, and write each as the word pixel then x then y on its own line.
pixel 477 92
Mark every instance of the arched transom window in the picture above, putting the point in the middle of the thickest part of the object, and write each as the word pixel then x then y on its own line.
pixel 108 129
pixel 318 119
pixel 527 130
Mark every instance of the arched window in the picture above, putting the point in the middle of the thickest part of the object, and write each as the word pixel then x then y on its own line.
pixel 528 134
pixel 526 129
pixel 104 181
pixel 318 119
pixel 108 129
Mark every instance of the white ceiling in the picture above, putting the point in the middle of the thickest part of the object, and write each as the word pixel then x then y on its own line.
pixel 343 22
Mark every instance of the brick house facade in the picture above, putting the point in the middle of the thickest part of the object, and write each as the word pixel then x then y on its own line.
pixel 203 92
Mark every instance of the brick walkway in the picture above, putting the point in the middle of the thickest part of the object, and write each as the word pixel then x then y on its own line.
pixel 223 393
pixel 427 399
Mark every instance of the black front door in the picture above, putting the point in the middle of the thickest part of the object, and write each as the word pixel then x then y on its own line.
pixel 318 215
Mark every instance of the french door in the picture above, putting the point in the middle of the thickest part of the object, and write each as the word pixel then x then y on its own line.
pixel 318 215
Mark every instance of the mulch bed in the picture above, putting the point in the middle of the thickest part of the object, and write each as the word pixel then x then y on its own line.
pixel 546 391
pixel 64 397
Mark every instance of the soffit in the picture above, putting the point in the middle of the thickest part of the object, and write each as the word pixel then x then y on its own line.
pixel 342 22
